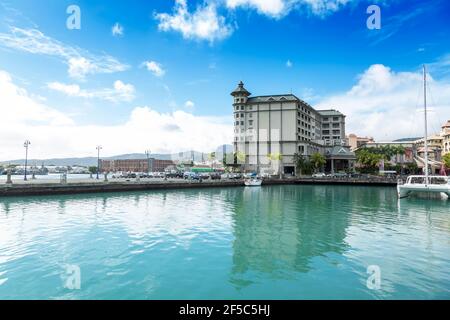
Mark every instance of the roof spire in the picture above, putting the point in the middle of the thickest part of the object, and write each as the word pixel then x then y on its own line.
pixel 240 90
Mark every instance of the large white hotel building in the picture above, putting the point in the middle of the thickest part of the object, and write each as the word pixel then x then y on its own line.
pixel 273 128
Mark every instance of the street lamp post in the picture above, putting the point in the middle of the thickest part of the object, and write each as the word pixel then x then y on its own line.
pixel 98 159
pixel 26 145
pixel 148 152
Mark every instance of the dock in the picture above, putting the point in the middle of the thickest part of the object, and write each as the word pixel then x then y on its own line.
pixel 41 188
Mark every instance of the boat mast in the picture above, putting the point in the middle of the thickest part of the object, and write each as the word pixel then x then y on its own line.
pixel 426 123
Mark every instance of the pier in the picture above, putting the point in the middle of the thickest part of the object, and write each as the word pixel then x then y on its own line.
pixel 44 188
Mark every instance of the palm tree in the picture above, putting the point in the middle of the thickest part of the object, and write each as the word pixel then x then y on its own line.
pixel 318 160
pixel 302 164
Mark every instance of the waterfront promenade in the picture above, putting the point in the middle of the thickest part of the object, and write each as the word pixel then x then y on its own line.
pixel 52 187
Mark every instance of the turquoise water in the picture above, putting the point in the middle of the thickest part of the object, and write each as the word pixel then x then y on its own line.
pixel 278 242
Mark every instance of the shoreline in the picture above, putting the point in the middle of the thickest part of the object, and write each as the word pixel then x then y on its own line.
pixel 74 187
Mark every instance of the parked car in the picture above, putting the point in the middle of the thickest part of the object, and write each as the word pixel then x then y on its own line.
pixel 158 174
pixel 174 175
pixel 225 176
pixel 215 176
pixel 319 175
pixel 191 175
pixel 204 175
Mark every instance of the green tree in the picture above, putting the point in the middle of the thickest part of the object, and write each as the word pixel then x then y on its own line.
pixel 446 160
pixel 92 169
pixel 302 164
pixel 318 160
pixel 370 159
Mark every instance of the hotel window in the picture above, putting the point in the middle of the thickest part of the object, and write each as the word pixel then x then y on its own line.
pixel 250 122
pixel 242 115
pixel 325 119
pixel 237 123
pixel 335 118
pixel 242 123
pixel 250 115
pixel 242 108
pixel 250 108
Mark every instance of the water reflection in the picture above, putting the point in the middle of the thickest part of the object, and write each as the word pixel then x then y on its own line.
pixel 278 230
pixel 222 243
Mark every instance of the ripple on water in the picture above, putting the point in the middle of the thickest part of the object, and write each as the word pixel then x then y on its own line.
pixel 271 242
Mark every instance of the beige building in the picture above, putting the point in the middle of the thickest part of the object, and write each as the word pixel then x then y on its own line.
pixel 438 145
pixel 270 130
pixel 445 133
pixel 356 142
pixel 435 143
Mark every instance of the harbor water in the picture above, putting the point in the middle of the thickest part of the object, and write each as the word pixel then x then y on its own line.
pixel 272 242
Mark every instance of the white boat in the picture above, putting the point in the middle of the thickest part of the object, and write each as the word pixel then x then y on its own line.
pixel 253 182
pixel 426 183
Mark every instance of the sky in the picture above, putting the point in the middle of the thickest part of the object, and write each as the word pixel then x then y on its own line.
pixel 135 75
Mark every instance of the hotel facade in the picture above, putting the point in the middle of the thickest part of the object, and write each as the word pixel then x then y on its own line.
pixel 270 130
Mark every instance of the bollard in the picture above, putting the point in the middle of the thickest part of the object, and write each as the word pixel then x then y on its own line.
pixel 8 177
pixel 106 177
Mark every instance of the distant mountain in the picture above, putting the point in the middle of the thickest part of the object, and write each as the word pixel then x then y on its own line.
pixel 407 139
pixel 92 161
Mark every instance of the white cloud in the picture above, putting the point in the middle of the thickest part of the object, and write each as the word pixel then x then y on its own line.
pixel 205 23
pixel 155 68
pixel 117 30
pixel 54 134
pixel 289 64
pixel 80 63
pixel 323 7
pixel 268 7
pixel 119 92
pixel 280 8
pixel 387 104
pixel 189 105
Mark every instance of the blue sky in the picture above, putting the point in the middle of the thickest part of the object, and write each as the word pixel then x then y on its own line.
pixel 177 61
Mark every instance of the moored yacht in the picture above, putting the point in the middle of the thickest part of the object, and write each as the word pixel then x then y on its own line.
pixel 253 182
pixel 426 183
